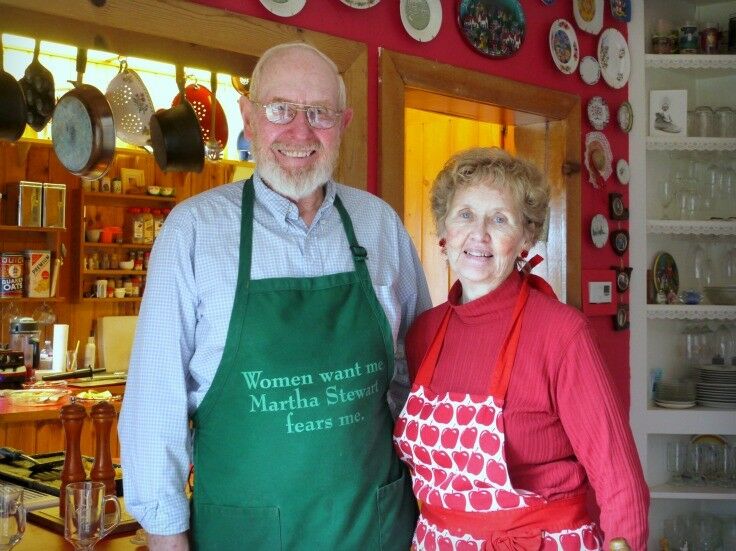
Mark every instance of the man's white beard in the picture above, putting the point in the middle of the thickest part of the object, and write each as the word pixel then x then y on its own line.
pixel 298 184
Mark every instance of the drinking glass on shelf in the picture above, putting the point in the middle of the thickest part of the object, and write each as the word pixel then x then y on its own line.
pixel 705 530
pixel 677 531
pixel 85 519
pixel 676 461
pixel 668 188
pixel 688 200
pixel 12 516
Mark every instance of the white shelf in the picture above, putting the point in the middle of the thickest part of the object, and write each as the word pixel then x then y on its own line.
pixel 691 312
pixel 657 143
pixel 668 491
pixel 690 62
pixel 696 420
pixel 692 227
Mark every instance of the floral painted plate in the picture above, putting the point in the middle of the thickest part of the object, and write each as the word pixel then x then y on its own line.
pixel 614 58
pixel 598 113
pixel 590 71
pixel 664 272
pixel 588 15
pixel 625 117
pixel 621 10
pixel 360 4
pixel 563 45
pixel 284 8
pixel 494 28
pixel 422 19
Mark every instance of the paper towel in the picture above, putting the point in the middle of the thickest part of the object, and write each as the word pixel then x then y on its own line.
pixel 61 336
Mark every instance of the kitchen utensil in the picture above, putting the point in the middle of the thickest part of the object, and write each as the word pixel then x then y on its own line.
pixel 13 109
pixel 212 146
pixel 83 130
pixel 176 135
pixel 206 106
pixel 76 374
pixel 38 88
pixel 58 263
pixel 241 85
pixel 131 106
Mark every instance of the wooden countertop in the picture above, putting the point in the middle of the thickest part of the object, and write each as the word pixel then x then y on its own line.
pixel 37 538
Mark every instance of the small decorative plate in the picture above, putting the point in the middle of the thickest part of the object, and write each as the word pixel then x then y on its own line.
pixel 284 8
pixel 598 157
pixel 614 58
pixel 621 10
pixel 623 172
pixel 563 45
pixel 495 28
pixel 421 18
pixel 360 4
pixel 590 71
pixel 620 241
pixel 588 15
pixel 665 275
pixel 625 117
pixel 599 230
pixel 598 113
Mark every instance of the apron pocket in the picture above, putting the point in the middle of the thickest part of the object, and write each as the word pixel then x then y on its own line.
pixel 397 514
pixel 223 528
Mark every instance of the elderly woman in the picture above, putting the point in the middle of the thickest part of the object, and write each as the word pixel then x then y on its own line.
pixel 512 414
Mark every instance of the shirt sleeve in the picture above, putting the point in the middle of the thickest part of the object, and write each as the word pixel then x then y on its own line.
pixel 154 421
pixel 414 296
pixel 599 432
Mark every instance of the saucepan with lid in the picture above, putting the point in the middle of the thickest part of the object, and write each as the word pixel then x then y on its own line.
pixel 13 110
pixel 82 129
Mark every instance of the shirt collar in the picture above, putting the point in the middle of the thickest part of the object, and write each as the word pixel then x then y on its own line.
pixel 488 307
pixel 282 208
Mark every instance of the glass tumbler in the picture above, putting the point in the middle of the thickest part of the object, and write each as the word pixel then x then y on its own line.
pixel 704 122
pixel 676 461
pixel 12 517
pixel 85 521
pixel 725 122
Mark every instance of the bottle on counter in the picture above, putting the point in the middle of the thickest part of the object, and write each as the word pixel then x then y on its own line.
pixel 90 353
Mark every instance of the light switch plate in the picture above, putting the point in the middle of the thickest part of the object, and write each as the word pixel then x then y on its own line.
pixel 599 292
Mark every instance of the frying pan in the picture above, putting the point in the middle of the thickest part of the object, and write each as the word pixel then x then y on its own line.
pixel 82 128
pixel 176 136
pixel 38 88
pixel 13 110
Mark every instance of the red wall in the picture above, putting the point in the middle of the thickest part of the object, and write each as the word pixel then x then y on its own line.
pixel 381 27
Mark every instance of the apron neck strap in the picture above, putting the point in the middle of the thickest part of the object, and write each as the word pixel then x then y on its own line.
pixel 504 364
pixel 246 236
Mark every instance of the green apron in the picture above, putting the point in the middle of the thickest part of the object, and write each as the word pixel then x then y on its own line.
pixel 292 442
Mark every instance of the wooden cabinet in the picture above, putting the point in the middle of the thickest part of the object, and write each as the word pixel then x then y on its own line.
pixel 103 209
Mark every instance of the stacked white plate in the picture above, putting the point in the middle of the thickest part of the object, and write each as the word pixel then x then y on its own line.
pixel 716 386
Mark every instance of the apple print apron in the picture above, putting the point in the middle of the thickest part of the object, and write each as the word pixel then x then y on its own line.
pixel 454 446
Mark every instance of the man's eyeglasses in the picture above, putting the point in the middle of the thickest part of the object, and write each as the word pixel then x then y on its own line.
pixel 283 112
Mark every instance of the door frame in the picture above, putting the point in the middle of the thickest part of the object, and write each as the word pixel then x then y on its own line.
pixel 398 72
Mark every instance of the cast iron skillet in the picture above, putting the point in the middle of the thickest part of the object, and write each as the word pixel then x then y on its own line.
pixel 82 128
pixel 13 110
pixel 176 135
pixel 38 88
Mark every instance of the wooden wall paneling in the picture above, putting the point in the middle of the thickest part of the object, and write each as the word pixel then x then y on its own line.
pixel 21 436
pixel 49 436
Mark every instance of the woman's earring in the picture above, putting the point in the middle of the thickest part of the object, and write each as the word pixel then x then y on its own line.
pixel 442 243
pixel 524 253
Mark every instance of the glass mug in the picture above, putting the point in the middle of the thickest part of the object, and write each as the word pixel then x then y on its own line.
pixel 12 516
pixel 85 519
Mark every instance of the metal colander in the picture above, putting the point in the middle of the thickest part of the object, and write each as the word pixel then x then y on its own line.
pixel 131 107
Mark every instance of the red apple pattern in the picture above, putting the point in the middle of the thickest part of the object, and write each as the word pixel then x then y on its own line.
pixel 454 445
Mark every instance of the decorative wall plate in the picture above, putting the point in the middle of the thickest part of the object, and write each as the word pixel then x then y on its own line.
pixel 621 10
pixel 614 58
pixel 495 28
pixel 422 19
pixel 598 157
pixel 616 208
pixel 623 278
pixel 623 172
pixel 620 241
pixel 588 15
pixel 360 4
pixel 625 117
pixel 284 8
pixel 665 275
pixel 590 71
pixel 598 113
pixel 599 230
pixel 563 45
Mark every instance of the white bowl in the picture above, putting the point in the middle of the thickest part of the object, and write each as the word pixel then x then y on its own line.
pixel 167 191
pixel 92 235
pixel 154 190
pixel 126 264
pixel 119 292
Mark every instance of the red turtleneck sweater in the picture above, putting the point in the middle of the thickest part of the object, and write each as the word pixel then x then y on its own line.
pixel 564 424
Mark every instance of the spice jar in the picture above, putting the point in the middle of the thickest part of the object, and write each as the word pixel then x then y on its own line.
pixel 134 225
pixel 689 38
pixel 709 39
pixel 147 219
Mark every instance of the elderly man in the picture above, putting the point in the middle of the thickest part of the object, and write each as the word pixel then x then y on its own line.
pixel 269 349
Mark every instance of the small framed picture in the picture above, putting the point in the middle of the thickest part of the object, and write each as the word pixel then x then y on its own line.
pixel 134 180
pixel 621 319
pixel 623 278
pixel 616 208
pixel 620 241
pixel 668 113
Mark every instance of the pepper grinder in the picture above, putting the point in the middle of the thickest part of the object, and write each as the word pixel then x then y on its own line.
pixel 72 417
pixel 103 414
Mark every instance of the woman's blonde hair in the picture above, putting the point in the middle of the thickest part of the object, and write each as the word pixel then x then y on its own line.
pixel 493 167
